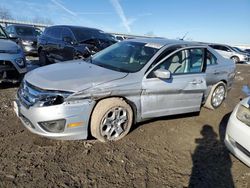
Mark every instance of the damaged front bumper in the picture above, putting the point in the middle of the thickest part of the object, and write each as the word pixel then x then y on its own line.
pixel 66 121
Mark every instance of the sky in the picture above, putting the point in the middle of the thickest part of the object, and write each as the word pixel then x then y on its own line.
pixel 221 21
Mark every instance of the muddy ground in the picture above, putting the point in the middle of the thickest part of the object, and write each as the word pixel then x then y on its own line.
pixel 177 151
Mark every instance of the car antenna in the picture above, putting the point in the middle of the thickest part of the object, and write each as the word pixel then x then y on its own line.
pixel 184 36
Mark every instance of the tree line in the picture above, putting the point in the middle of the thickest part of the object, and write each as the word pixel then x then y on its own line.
pixel 7 15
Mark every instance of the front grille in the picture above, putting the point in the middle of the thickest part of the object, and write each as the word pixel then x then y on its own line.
pixel 5 64
pixel 242 149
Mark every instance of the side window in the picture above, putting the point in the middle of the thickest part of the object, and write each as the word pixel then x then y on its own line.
pixel 66 33
pixel 211 59
pixel 164 54
pixel 215 47
pixel 48 32
pixel 54 32
pixel 184 62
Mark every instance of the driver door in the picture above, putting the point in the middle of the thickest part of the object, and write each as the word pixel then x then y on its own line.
pixel 183 92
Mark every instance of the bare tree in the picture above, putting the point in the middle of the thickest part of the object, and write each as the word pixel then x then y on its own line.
pixel 5 14
pixel 42 20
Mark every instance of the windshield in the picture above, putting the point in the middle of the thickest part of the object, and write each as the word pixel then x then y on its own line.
pixel 2 33
pixel 126 56
pixel 83 34
pixel 25 31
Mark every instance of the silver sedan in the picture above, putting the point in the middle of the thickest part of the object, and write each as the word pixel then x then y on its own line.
pixel 126 83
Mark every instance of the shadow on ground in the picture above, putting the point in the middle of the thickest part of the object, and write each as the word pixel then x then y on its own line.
pixel 211 160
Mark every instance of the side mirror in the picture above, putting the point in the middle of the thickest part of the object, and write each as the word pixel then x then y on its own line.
pixel 162 73
pixel 12 36
pixel 68 40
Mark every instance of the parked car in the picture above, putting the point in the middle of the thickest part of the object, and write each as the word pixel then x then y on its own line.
pixel 27 36
pixel 126 83
pixel 12 59
pixel 120 37
pixel 238 131
pixel 62 43
pixel 231 53
pixel 240 50
pixel 247 50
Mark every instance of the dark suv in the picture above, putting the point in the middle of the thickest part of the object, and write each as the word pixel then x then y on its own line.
pixel 27 37
pixel 62 43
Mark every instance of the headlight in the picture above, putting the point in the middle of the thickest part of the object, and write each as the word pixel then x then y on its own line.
pixel 243 114
pixel 20 62
pixel 51 99
pixel 27 42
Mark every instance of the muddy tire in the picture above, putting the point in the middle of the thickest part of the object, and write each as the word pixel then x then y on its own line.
pixel 216 96
pixel 111 119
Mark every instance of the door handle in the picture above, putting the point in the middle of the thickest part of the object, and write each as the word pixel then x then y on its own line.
pixel 196 82
pixel 216 72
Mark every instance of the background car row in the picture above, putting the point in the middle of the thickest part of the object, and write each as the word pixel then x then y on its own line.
pixel 234 53
pixel 62 43
pixel 12 59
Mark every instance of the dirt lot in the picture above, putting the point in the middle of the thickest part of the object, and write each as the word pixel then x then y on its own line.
pixel 178 151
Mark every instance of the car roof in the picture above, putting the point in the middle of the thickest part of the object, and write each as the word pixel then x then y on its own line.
pixel 165 41
pixel 72 26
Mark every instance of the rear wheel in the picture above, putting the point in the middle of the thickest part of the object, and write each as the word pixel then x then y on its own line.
pixel 216 96
pixel 235 59
pixel 111 119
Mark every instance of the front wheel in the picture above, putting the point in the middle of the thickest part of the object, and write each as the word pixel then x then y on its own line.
pixel 216 96
pixel 111 119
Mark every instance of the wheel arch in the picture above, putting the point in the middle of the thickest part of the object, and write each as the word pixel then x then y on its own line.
pixel 129 102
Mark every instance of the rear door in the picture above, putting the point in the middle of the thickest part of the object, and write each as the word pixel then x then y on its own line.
pixel 183 92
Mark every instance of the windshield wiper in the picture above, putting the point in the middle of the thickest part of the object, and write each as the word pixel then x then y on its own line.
pixel 106 66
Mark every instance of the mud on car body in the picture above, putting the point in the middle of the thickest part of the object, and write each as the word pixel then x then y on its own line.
pixel 121 85
pixel 12 59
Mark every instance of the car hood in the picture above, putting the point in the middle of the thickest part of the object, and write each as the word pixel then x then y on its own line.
pixel 71 76
pixel 6 45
